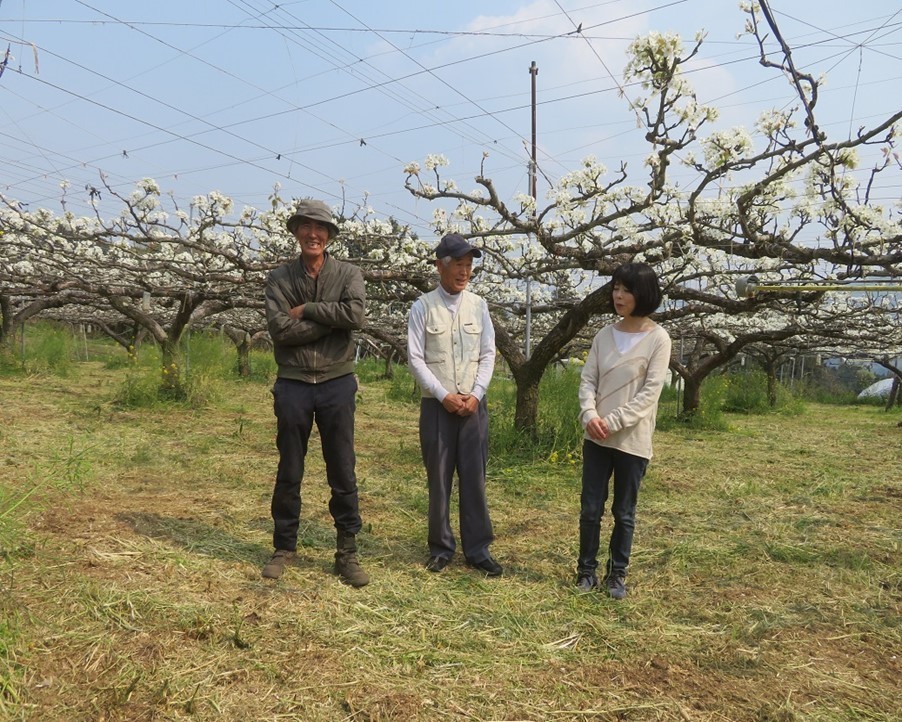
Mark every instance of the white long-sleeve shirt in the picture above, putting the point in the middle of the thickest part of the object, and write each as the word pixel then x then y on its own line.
pixel 416 343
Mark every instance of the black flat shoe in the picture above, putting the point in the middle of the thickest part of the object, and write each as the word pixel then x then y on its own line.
pixel 436 564
pixel 487 565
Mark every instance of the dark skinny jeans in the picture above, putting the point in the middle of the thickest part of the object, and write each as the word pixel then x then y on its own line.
pixel 599 464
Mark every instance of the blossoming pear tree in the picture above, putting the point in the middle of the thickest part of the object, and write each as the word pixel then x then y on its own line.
pixel 779 203
pixel 743 214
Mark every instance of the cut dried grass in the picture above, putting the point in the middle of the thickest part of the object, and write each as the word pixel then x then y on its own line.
pixel 765 554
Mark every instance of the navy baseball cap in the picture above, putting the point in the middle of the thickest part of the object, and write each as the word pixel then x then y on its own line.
pixel 455 245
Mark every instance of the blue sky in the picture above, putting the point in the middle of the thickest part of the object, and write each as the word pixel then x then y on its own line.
pixel 332 99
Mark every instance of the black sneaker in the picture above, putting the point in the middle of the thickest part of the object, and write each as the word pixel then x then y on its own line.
pixel 616 585
pixel 487 565
pixel 586 581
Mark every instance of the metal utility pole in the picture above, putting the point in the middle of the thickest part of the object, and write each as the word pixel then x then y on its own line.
pixel 533 72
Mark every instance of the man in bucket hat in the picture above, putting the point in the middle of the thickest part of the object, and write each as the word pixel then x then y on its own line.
pixel 451 350
pixel 314 303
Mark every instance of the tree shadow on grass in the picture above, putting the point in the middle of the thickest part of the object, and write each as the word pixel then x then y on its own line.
pixel 316 541
pixel 194 536
pixel 199 537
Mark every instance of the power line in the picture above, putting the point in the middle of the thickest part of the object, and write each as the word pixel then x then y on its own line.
pixel 384 86
pixel 479 104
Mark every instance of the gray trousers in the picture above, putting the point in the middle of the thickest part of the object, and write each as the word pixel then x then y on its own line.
pixel 450 442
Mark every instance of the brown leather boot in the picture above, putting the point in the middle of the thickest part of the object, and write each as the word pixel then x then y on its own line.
pixel 278 561
pixel 346 565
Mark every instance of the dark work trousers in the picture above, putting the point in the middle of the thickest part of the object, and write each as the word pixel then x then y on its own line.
pixel 297 405
pixel 599 463
pixel 450 442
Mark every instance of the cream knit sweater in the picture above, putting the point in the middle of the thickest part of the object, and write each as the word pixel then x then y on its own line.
pixel 623 389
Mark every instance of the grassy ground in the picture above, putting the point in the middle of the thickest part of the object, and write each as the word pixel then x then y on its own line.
pixel 765 582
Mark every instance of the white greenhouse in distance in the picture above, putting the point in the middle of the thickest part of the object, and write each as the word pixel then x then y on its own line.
pixel 879 389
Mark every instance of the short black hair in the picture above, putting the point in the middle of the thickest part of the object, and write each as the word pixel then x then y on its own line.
pixel 640 280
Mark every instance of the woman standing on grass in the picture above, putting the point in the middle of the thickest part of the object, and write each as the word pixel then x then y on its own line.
pixel 618 397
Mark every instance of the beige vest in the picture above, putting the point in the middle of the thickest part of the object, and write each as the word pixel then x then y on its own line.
pixel 452 345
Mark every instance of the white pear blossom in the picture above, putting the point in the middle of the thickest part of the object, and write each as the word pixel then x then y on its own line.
pixel 435 161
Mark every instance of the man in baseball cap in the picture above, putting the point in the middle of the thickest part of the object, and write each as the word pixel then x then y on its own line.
pixel 452 328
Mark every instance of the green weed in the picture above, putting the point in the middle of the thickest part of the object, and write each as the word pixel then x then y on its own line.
pixel 746 392
pixel 11 673
pixel 375 369
pixel 558 434
pixel 139 390
pixel 10 364
pixel 71 466
pixel 48 349
pixel 199 385
pixel 402 387
pixel 208 354
pixel 263 367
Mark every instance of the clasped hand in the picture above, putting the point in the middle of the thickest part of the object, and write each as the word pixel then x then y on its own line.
pixel 598 429
pixel 460 404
